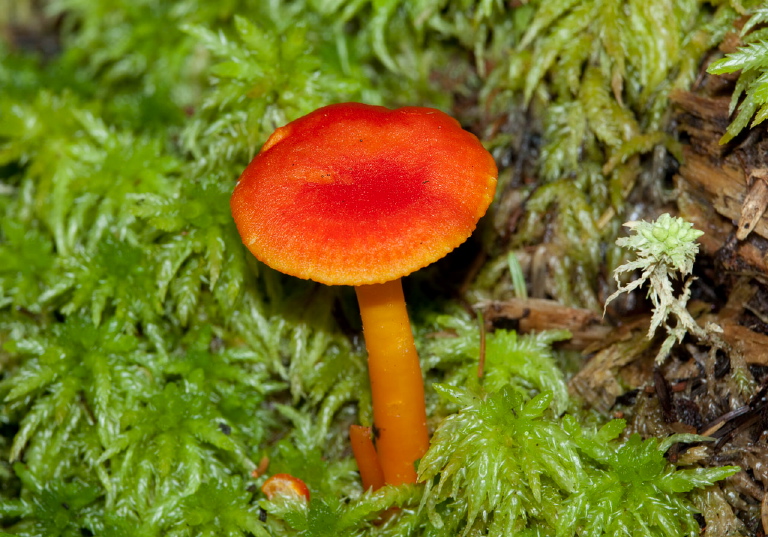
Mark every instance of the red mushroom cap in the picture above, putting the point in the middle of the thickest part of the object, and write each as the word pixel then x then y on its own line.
pixel 354 194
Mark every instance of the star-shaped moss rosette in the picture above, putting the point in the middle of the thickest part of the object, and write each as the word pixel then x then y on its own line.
pixel 354 194
pixel 667 241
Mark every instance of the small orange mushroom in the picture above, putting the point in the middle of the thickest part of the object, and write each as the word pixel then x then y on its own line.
pixel 285 485
pixel 366 457
pixel 354 194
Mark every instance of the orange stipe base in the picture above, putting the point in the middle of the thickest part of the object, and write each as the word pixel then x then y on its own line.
pixel 397 387
pixel 366 457
pixel 285 485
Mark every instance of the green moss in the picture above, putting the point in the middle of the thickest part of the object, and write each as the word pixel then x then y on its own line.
pixel 599 75
pixel 149 363
pixel 54 507
pixel 665 251
pixel 503 465
pixel 524 362
pixel 751 93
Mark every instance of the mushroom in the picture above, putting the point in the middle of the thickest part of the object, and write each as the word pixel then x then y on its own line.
pixel 366 457
pixel 287 486
pixel 361 195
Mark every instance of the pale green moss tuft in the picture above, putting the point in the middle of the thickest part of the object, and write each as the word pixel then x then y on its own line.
pixel 665 250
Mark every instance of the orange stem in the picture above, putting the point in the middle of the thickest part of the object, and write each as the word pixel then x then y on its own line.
pixel 397 387
pixel 365 455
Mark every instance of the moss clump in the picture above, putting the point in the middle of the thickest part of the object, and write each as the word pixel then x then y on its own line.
pixel 599 74
pixel 665 250
pixel 503 466
pixel 752 84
